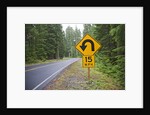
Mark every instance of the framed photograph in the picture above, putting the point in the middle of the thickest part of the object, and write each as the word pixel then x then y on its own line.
pixel 75 57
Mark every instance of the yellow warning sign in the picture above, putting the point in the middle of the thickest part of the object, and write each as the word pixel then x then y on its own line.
pixel 88 45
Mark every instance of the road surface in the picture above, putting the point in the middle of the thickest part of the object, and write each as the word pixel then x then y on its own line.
pixel 38 76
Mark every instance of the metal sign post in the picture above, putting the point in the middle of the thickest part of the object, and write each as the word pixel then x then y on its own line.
pixel 88 73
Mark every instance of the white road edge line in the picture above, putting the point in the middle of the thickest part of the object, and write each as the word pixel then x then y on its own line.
pixel 51 76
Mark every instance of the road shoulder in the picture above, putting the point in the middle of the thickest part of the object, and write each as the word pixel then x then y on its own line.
pixel 74 77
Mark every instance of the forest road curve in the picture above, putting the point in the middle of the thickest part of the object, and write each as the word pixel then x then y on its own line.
pixel 37 77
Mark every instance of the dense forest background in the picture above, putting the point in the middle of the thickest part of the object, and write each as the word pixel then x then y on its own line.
pixel 49 41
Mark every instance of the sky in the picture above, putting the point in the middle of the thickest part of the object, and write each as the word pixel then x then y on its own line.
pixel 79 26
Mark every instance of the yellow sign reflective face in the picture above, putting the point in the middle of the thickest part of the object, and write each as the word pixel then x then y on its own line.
pixel 88 45
pixel 88 61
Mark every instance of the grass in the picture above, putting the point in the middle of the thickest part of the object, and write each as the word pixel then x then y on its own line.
pixel 47 61
pixel 75 77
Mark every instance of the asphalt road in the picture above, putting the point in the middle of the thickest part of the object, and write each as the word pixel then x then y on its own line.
pixel 38 76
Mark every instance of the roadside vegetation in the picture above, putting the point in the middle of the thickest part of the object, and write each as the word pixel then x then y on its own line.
pixel 111 58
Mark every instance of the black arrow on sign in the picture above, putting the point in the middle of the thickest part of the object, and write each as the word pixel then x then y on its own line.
pixel 84 46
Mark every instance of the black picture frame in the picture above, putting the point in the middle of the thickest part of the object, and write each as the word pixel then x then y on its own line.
pixel 43 3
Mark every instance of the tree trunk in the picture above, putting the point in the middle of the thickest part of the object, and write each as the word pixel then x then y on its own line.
pixel 57 53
